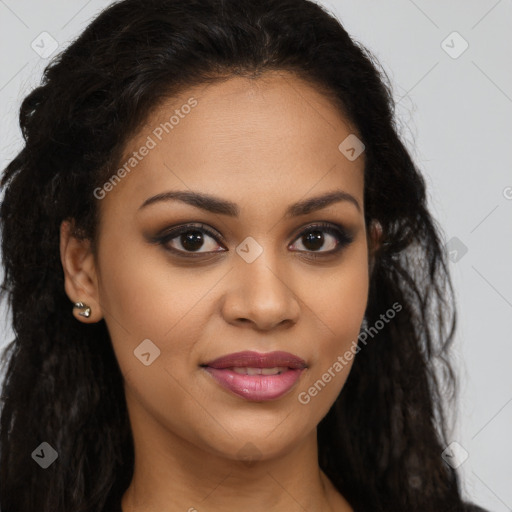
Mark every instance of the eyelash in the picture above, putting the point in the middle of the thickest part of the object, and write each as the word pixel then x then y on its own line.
pixel 342 237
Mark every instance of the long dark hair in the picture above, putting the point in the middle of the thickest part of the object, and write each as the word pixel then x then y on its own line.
pixel 381 442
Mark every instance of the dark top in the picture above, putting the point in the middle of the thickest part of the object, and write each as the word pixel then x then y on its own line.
pixel 471 508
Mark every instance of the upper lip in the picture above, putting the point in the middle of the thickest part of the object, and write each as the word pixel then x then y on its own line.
pixel 248 359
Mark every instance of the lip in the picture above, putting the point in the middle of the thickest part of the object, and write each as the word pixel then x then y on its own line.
pixel 257 387
pixel 257 360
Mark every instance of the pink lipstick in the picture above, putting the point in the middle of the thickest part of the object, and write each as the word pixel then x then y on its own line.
pixel 255 376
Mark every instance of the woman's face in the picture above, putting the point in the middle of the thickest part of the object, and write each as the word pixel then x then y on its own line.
pixel 252 272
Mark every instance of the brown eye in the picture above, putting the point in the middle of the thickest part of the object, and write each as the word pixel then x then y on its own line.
pixel 314 238
pixel 190 239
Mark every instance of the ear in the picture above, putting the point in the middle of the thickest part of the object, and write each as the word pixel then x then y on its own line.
pixel 80 279
pixel 374 242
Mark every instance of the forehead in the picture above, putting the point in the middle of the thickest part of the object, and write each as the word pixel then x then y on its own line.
pixel 248 138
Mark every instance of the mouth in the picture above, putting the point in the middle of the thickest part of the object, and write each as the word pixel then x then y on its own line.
pixel 257 377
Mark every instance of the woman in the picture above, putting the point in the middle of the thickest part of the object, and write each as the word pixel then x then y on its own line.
pixel 227 290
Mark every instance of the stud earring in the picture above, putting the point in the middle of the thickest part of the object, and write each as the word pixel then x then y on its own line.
pixel 86 309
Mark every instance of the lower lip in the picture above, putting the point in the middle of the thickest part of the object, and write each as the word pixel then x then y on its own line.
pixel 256 387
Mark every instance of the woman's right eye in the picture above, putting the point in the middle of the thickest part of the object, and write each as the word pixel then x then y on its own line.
pixel 189 240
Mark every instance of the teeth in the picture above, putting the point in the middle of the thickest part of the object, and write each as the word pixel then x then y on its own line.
pixel 277 370
pixel 274 371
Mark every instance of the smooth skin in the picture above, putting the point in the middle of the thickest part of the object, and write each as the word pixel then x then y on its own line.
pixel 262 144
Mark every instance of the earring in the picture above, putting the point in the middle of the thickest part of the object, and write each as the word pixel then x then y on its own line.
pixel 86 309
pixel 364 324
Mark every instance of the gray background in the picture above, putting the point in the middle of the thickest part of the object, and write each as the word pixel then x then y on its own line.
pixel 455 113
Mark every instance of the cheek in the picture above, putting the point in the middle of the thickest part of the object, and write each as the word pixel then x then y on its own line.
pixel 143 297
pixel 339 299
pixel 338 306
pixel 143 292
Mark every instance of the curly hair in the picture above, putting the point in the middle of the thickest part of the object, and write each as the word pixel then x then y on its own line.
pixel 382 439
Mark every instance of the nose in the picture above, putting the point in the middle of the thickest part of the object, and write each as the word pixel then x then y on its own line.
pixel 261 295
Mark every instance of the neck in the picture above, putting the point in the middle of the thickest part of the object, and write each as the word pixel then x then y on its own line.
pixel 172 474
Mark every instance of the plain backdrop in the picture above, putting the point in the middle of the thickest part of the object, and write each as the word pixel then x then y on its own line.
pixel 450 64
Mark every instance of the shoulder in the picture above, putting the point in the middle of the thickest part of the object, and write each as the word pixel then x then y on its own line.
pixel 470 507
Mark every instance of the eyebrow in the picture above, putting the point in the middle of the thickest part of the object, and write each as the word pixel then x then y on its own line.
pixel 217 205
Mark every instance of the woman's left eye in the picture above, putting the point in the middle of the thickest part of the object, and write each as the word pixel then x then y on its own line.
pixel 313 239
pixel 188 240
